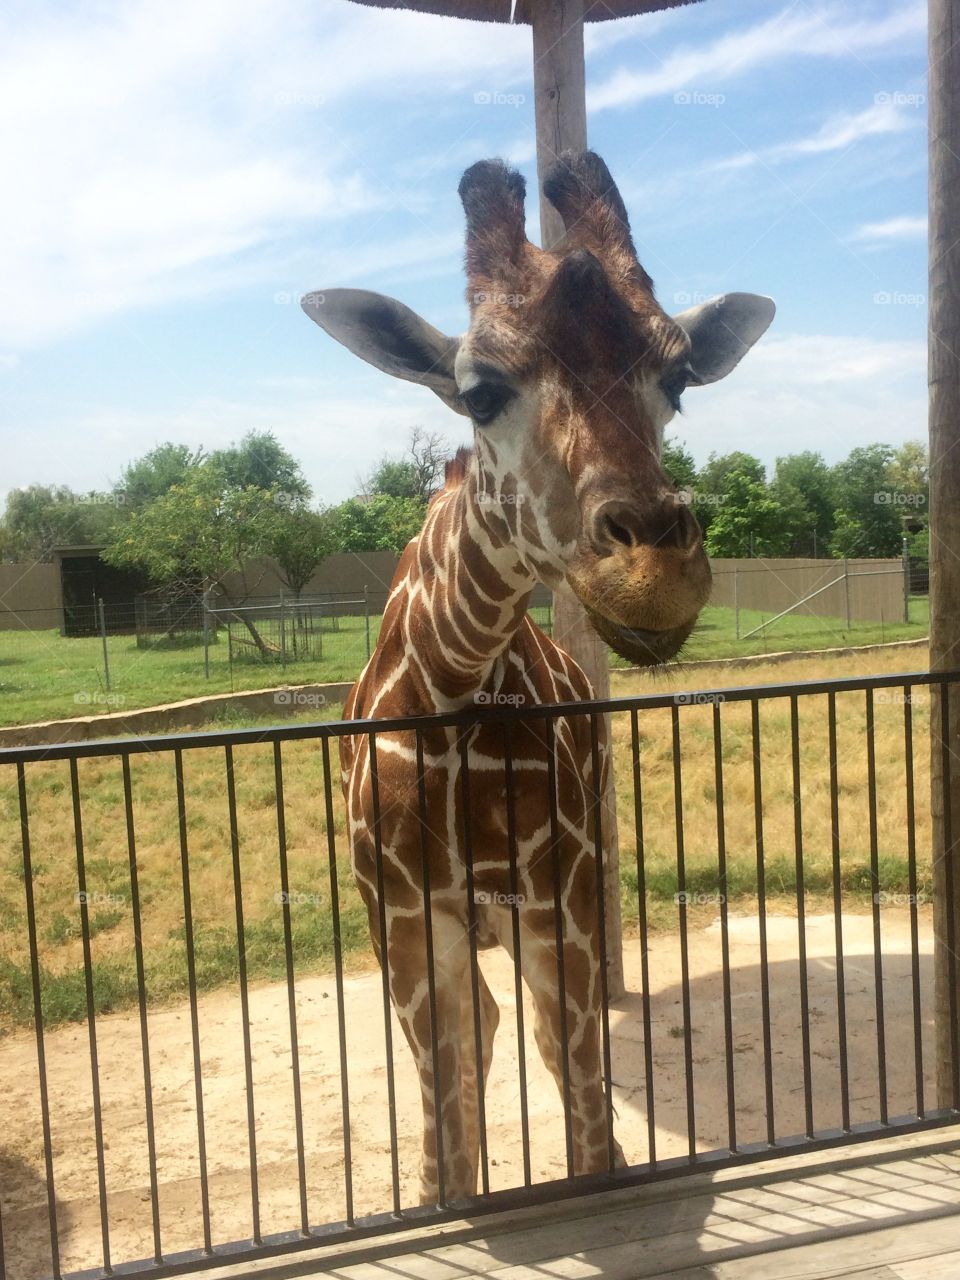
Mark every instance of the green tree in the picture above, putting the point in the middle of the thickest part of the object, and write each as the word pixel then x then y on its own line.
pixel 678 463
pixel 300 540
pixel 260 461
pixel 206 531
pixel 156 472
pixel 40 518
pixel 713 483
pixel 802 484
pixel 868 517
pixel 417 474
pixel 380 523
pixel 394 479
pixel 745 519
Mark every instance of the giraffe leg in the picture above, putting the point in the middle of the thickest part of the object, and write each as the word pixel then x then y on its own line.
pixel 489 1021
pixel 455 1084
pixel 583 1057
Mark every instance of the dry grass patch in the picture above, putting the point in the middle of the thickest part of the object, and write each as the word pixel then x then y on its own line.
pixel 211 873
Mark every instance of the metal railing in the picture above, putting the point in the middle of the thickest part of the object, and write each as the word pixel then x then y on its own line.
pixel 780 946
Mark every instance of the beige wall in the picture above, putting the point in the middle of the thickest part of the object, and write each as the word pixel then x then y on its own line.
pixel 30 597
pixel 30 593
pixel 771 586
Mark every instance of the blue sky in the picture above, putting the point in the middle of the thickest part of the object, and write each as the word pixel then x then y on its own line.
pixel 179 173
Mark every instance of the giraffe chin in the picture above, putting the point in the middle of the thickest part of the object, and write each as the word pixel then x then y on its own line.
pixel 638 645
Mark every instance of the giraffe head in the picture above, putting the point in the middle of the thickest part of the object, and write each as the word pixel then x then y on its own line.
pixel 569 371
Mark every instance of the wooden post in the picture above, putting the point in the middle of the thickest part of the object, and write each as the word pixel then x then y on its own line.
pixel 561 124
pixel 944 378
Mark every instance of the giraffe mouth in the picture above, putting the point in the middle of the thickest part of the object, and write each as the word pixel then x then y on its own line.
pixel 639 645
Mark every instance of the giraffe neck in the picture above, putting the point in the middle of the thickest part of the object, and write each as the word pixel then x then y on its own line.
pixel 466 593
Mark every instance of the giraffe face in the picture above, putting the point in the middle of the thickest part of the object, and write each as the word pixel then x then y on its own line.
pixel 570 370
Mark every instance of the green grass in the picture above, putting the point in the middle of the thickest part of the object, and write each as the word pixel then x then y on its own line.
pixel 715 635
pixel 46 677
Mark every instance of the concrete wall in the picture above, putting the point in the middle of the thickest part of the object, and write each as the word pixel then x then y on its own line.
pixel 773 585
pixel 30 597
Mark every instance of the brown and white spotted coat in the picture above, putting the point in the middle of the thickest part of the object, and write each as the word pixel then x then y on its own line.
pixel 569 371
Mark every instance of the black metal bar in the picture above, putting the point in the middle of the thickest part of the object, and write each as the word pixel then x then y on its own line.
pixel 384 969
pixel 142 1007
pixel 549 726
pixel 762 917
pixel 91 1015
pixel 472 949
pixel 596 802
pixel 644 940
pixel 684 944
pixel 837 912
pixel 875 903
pixel 724 930
pixel 912 887
pixel 517 953
pixel 194 1011
pixel 949 890
pixel 431 969
pixel 244 995
pixel 38 1022
pixel 263 1245
pixel 338 979
pixel 801 918
pixel 291 989
pixel 453 719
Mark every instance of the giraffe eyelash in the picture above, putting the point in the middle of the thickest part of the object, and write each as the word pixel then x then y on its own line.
pixel 486 400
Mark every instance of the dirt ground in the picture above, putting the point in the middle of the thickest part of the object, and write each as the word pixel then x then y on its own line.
pixel 22 1188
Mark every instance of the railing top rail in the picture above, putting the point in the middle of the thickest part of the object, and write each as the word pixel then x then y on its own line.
pixel 476 714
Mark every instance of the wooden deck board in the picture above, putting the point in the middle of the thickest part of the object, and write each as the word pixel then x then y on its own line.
pixel 884 1211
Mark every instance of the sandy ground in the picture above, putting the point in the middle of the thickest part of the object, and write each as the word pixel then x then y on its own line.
pixel 22 1192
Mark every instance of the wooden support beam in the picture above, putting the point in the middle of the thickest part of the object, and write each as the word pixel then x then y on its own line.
pixel 561 124
pixel 944 377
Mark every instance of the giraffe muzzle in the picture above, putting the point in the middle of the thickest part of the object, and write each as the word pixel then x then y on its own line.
pixel 642 647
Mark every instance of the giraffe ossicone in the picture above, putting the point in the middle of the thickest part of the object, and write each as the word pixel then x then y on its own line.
pixel 569 371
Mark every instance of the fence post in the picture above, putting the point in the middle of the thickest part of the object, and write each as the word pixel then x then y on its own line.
pixel 846 587
pixel 366 616
pixel 906 579
pixel 283 637
pixel 204 605
pixel 736 599
pixel 103 637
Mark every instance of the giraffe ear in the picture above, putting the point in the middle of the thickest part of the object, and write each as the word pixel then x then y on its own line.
pixel 389 336
pixel 722 331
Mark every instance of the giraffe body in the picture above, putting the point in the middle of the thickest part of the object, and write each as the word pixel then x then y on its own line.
pixel 569 372
pixel 529 670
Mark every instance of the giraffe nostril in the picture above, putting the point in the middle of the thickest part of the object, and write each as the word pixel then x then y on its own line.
pixel 616 532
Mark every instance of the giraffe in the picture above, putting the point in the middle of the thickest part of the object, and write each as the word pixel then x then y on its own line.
pixel 569 372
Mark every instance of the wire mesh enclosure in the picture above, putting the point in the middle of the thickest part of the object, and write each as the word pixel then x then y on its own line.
pixel 171 618
pixel 282 633
pixel 201 1061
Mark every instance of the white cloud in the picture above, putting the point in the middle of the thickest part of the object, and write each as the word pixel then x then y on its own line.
pixel 891 231
pixel 170 151
pixel 811 391
pixel 836 134
pixel 792 33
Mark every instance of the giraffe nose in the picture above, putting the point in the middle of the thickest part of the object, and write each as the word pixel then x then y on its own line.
pixel 667 522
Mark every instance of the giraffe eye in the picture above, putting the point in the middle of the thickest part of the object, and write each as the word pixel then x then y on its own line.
pixel 484 401
pixel 674 386
pixel 675 382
